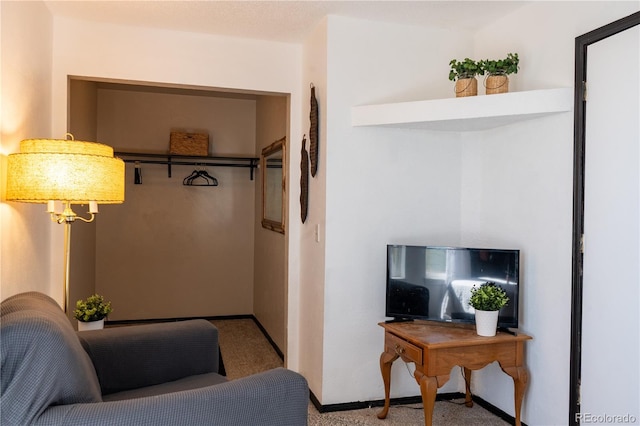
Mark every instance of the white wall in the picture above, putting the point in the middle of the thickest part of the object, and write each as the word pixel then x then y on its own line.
pixel 312 253
pixel 517 192
pixel 382 186
pixel 517 186
pixel 25 229
pixel 509 187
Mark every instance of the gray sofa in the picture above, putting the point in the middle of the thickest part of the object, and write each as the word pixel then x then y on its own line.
pixel 159 374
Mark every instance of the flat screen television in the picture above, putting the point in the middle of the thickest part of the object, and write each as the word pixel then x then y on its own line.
pixel 434 283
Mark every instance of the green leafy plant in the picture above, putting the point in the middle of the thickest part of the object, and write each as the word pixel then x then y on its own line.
pixel 506 66
pixel 467 68
pixel 94 308
pixel 488 297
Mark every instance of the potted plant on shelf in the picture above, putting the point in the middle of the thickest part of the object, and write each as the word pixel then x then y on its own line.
pixel 487 300
pixel 91 312
pixel 497 80
pixel 464 74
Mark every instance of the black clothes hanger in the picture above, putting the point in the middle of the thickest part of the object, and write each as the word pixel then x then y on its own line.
pixel 200 177
pixel 188 179
pixel 137 180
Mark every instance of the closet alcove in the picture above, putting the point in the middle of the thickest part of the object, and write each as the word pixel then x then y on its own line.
pixel 174 251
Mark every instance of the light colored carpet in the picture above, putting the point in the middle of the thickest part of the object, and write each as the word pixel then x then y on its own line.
pixel 246 351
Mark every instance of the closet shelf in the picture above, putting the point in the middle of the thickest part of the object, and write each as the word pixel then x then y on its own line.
pixel 466 113
pixel 187 160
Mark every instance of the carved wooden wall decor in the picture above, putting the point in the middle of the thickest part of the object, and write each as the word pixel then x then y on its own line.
pixel 313 132
pixel 304 180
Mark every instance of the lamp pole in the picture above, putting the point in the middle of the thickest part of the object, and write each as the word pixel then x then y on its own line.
pixel 67 217
pixel 67 253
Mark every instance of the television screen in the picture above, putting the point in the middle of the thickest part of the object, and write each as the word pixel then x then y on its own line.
pixel 434 283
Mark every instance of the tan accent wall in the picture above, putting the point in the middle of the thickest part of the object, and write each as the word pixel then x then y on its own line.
pixel 269 287
pixel 29 258
pixel 172 250
pixel 83 125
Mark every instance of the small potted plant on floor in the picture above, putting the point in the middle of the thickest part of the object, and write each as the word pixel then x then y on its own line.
pixel 91 312
pixel 497 80
pixel 487 300
pixel 464 74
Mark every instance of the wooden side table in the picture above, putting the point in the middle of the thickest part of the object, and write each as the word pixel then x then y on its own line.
pixel 436 348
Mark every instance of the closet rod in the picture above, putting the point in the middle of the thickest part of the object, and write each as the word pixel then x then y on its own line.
pixel 228 161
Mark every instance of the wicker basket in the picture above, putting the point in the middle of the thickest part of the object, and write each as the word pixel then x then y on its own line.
pixel 195 144
pixel 496 84
pixel 466 87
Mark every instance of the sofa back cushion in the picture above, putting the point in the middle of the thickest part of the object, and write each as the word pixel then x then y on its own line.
pixel 43 362
pixel 145 355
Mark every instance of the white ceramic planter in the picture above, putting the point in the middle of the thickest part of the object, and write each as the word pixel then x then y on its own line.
pixel 486 322
pixel 91 325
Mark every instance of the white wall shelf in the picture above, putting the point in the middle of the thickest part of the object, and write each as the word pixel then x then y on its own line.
pixel 465 114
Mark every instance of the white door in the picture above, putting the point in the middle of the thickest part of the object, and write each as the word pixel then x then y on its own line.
pixel 610 378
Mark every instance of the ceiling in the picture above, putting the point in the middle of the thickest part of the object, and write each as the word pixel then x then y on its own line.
pixel 285 21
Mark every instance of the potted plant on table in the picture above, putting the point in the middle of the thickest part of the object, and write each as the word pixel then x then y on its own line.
pixel 497 80
pixel 91 312
pixel 487 300
pixel 464 74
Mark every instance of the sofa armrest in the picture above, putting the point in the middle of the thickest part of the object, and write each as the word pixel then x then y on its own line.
pixel 277 397
pixel 143 355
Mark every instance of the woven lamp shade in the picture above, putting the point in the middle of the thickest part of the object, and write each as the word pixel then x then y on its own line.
pixel 67 170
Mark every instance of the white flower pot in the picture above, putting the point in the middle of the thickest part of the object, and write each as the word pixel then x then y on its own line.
pixel 486 322
pixel 91 325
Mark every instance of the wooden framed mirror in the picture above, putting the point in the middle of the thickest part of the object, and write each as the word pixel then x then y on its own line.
pixel 272 164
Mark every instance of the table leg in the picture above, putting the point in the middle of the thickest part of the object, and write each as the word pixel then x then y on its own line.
pixel 468 400
pixel 386 359
pixel 428 389
pixel 520 378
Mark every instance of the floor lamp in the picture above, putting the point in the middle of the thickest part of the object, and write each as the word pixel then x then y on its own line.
pixel 69 171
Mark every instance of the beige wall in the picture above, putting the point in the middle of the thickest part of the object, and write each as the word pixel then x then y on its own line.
pixel 269 288
pixel 136 114
pixel 172 250
pixel 25 96
pixel 132 53
pixel 83 125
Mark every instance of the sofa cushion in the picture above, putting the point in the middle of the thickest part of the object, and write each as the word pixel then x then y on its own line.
pixel 139 356
pixel 43 363
pixel 187 383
